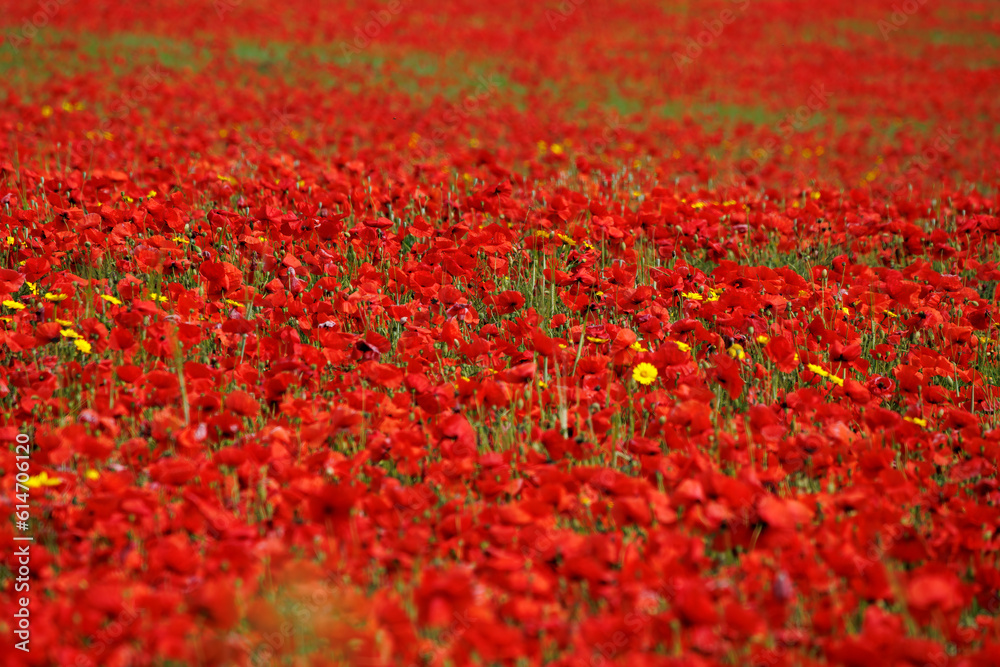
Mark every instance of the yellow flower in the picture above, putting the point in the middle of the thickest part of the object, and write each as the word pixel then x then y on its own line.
pixel 542 384
pixel 65 323
pixel 712 295
pixel 152 193
pixel 68 333
pixel 56 297
pixel 557 149
pixel 737 352
pixel 644 373
pixel 13 305
pixel 235 304
pixel 91 474
pixel 596 340
pixel 46 111
pixel 32 286
pixel 180 239
pixel 836 380
pixel 698 205
pixel 42 480
pixel 10 240
pixel 111 299
pixel 473 143
pixel 82 345
pixel 916 420
pixel 684 347
pixel 763 340
pixel 694 296
pixel 818 370
pixel 637 347
pixel 157 297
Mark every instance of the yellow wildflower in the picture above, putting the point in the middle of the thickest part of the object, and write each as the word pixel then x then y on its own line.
pixel 644 373
pixel 818 370
pixel 42 479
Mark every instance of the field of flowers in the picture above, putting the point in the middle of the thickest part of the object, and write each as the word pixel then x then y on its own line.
pixel 500 333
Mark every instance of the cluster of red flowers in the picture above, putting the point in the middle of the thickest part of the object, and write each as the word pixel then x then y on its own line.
pixel 552 340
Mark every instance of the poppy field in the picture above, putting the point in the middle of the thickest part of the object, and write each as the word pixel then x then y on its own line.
pixel 576 334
